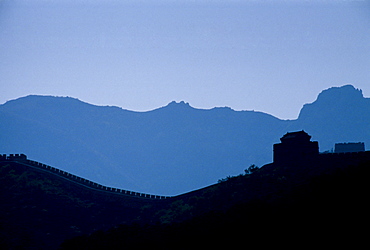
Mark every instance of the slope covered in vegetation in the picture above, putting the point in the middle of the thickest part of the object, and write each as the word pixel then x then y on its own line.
pixel 281 202
pixel 40 210
pixel 326 210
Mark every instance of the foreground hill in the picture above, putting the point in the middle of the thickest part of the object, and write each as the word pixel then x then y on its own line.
pixel 326 210
pixel 173 149
pixel 40 210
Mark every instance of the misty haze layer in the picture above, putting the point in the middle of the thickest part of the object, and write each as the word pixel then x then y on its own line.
pixel 173 149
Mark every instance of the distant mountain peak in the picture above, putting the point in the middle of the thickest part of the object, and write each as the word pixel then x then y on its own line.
pixel 181 103
pixel 178 105
pixel 340 94
pixel 42 99
pixel 335 102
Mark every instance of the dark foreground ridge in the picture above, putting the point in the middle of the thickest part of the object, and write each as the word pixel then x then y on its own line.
pixel 22 159
pixel 303 188
pixel 304 198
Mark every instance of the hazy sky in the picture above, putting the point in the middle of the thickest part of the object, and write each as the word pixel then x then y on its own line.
pixel 271 56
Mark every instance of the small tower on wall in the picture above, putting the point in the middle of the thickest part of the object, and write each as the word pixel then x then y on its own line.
pixel 295 147
pixel 349 147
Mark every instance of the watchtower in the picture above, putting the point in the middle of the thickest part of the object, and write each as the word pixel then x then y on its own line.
pixel 349 147
pixel 295 147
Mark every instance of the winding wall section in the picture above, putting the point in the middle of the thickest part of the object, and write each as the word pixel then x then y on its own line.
pixel 22 159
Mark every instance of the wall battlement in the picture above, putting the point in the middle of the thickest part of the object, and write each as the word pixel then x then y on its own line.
pixel 347 157
pixel 22 159
pixel 12 157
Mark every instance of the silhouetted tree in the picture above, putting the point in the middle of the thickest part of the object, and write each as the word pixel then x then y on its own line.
pixel 251 169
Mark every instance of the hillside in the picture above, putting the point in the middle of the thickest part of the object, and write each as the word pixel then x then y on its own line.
pixel 41 209
pixel 173 149
pixel 320 210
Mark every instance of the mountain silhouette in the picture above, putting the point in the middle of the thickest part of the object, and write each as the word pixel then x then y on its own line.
pixel 340 114
pixel 172 149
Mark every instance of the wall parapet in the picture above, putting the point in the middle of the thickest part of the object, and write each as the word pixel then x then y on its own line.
pixel 22 159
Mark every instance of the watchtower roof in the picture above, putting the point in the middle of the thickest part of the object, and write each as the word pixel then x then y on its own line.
pixel 299 136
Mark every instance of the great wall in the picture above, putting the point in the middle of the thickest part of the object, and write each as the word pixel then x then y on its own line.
pixel 294 150
pixel 22 159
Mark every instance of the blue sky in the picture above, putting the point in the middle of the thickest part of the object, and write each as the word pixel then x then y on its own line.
pixel 271 56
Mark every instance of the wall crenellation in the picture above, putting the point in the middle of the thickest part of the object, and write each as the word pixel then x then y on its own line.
pixel 22 159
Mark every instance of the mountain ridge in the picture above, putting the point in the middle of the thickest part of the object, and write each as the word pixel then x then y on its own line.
pixel 169 150
pixel 173 105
